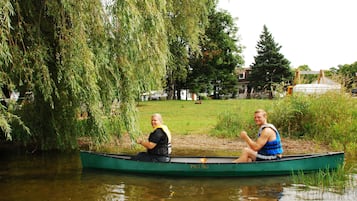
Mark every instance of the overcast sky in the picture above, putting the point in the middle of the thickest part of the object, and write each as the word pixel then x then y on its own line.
pixel 318 33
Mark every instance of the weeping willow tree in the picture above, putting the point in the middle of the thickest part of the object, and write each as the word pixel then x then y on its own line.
pixel 75 54
pixel 139 51
pixel 51 53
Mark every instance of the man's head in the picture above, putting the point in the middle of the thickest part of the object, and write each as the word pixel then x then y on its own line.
pixel 260 117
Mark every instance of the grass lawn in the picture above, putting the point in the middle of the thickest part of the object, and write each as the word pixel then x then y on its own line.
pixel 186 117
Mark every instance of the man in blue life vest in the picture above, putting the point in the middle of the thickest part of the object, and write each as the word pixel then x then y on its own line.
pixel 158 144
pixel 268 144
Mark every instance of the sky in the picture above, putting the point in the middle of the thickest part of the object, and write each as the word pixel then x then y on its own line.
pixel 318 33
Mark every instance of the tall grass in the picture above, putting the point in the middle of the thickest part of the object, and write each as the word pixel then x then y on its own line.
pixel 329 118
pixel 232 121
pixel 335 179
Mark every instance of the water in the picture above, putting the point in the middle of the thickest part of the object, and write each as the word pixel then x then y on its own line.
pixel 52 177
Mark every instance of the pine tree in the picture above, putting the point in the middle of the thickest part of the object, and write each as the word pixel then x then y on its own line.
pixel 270 67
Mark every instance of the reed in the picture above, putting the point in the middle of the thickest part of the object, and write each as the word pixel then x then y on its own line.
pixel 337 179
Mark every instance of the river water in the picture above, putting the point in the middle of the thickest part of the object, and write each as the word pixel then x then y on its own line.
pixel 52 177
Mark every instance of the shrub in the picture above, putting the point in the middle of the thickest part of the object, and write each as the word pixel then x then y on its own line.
pixel 329 118
pixel 292 116
pixel 232 123
pixel 240 117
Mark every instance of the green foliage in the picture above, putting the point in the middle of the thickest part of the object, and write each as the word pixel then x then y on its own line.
pixel 232 123
pixel 240 117
pixel 73 55
pixel 306 79
pixel 139 50
pixel 269 66
pixel 348 74
pixel 329 118
pixel 335 179
pixel 292 116
pixel 184 34
pixel 7 118
pixel 6 10
pixel 213 68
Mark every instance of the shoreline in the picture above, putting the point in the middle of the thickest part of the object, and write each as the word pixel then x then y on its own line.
pixel 201 144
pixel 204 143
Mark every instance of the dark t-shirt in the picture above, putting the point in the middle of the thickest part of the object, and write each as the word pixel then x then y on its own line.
pixel 159 137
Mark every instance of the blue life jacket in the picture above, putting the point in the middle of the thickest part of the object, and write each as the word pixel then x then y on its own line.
pixel 273 147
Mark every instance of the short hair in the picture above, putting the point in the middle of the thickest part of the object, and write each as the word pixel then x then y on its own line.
pixel 261 111
pixel 158 116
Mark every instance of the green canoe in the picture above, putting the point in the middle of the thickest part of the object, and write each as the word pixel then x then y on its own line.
pixel 213 166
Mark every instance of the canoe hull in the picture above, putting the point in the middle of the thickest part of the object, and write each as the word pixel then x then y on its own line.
pixel 213 166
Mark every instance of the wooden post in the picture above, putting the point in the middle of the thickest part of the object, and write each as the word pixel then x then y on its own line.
pixel 321 77
pixel 297 77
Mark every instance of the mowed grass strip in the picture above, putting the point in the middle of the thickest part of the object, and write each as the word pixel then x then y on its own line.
pixel 186 117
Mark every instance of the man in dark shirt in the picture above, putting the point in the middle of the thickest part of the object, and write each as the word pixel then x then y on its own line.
pixel 159 143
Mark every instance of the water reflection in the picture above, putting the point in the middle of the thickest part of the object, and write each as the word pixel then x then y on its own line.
pixel 140 187
pixel 301 192
pixel 60 177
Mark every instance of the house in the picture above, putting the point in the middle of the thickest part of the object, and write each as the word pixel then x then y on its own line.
pixel 243 82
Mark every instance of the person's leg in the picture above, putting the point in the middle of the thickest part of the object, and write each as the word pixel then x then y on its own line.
pixel 142 156
pixel 248 155
pixel 164 159
pixel 252 155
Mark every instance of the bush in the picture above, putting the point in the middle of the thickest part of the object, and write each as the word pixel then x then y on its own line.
pixel 232 123
pixel 329 118
pixel 240 117
pixel 292 116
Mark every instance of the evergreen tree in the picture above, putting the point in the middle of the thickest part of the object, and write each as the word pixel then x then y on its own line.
pixel 270 67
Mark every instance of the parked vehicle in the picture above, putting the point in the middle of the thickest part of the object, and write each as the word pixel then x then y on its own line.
pixel 354 92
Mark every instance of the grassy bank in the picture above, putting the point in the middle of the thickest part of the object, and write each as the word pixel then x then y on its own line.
pixel 329 118
pixel 186 117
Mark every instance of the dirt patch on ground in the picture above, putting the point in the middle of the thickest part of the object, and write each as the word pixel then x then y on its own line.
pixel 210 142
pixel 207 142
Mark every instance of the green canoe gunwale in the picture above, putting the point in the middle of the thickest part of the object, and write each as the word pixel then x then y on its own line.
pixel 213 166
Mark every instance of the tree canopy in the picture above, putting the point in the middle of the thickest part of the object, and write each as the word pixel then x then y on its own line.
pixel 75 56
pixel 270 67
pixel 213 68
pixel 305 79
pixel 347 74
pixel 183 36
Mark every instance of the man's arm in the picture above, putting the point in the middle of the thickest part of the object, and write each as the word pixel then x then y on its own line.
pixel 154 139
pixel 261 141
pixel 147 144
pixel 265 136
